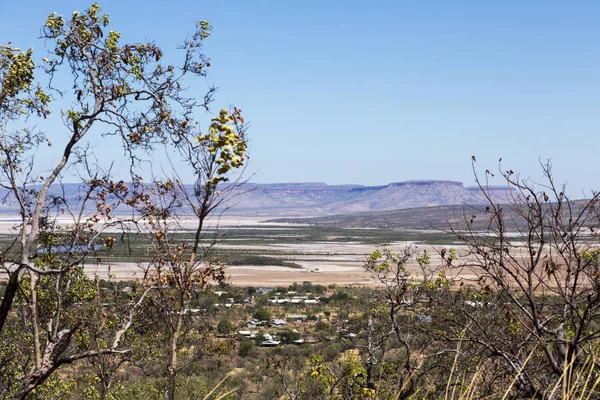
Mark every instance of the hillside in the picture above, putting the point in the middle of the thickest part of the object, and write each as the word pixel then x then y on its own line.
pixel 420 218
pixel 429 218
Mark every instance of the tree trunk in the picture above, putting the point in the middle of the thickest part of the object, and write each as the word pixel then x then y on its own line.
pixel 173 356
pixel 10 292
pixel 34 320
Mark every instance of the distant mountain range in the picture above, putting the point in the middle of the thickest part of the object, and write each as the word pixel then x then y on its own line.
pixel 320 199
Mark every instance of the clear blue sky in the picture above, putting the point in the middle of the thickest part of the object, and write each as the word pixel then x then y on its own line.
pixel 378 91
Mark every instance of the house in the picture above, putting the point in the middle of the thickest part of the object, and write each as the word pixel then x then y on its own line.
pixel 271 343
pixel 297 317
pixel 424 318
pixel 278 322
pixel 278 301
pixel 254 323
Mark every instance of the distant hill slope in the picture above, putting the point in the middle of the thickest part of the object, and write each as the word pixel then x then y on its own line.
pixel 434 218
pixel 320 199
pixel 420 218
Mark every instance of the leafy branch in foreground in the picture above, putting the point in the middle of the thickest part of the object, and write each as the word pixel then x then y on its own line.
pixel 123 92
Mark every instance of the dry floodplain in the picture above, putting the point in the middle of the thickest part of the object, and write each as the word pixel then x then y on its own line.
pixel 325 261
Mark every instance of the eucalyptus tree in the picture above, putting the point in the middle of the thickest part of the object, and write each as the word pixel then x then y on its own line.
pixel 179 267
pixel 111 89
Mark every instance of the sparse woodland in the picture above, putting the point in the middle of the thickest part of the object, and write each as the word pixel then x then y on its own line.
pixel 513 311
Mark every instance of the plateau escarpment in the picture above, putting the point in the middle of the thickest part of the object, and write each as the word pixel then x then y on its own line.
pixel 319 199
pixel 312 199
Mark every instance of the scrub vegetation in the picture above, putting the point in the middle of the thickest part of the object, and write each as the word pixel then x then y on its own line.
pixel 509 307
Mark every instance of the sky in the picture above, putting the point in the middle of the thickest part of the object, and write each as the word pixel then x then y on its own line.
pixel 384 91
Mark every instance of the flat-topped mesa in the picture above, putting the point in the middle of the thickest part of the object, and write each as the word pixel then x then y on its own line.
pixel 321 186
pixel 298 186
pixel 491 188
pixel 318 198
pixel 287 185
pixel 425 183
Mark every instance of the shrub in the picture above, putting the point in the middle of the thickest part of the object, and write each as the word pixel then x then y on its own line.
pixel 262 314
pixel 225 327
pixel 245 348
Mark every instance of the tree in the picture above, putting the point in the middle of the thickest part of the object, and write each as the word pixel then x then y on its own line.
pixel 288 336
pixel 124 91
pixel 535 306
pixel 391 314
pixel 245 348
pixel 262 314
pixel 225 327
pixel 178 267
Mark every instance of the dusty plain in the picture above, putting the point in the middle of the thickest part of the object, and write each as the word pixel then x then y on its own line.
pixel 320 256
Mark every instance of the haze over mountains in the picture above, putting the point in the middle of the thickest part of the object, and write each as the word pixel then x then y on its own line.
pixel 320 199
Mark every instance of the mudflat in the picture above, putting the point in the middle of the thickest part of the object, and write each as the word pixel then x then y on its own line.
pixel 320 256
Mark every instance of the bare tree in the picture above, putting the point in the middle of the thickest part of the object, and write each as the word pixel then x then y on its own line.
pixel 536 301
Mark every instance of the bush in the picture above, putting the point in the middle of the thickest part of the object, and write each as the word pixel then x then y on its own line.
pixel 245 348
pixel 340 296
pixel 262 314
pixel 225 327
pixel 321 326
pixel 288 336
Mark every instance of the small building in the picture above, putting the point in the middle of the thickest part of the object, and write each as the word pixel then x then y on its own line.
pixel 297 317
pixel 254 323
pixel 424 318
pixel 271 343
pixel 278 301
